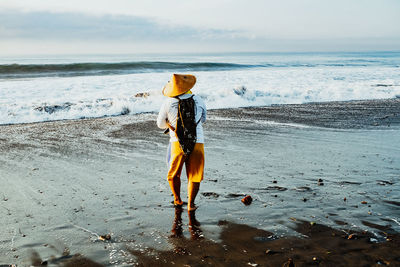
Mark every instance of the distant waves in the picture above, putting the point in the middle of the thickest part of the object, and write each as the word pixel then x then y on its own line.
pixel 89 69
pixel 10 71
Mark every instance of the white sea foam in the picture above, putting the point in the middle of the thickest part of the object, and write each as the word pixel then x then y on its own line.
pixel 54 98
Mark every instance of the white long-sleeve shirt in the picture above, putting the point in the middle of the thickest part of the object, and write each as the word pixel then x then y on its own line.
pixel 169 113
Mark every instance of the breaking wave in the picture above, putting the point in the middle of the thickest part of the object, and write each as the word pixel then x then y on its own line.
pixel 45 90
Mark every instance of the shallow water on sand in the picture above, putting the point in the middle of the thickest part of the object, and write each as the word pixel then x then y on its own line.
pixel 280 167
pixel 66 183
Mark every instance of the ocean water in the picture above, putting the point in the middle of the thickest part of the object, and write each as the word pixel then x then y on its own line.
pixel 36 89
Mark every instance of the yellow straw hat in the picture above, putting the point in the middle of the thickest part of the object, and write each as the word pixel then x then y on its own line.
pixel 179 84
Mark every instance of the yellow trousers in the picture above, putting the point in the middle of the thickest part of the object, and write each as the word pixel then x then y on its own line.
pixel 194 163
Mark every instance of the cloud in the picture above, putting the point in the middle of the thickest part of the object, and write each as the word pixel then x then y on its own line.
pixel 67 26
pixel 67 32
pixel 284 19
pixel 128 26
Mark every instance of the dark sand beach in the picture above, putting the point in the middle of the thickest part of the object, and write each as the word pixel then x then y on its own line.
pixel 324 178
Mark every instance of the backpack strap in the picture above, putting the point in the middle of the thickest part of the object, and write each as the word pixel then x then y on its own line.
pixel 197 123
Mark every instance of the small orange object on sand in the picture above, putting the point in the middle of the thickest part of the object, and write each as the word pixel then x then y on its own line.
pixel 247 200
pixel 105 237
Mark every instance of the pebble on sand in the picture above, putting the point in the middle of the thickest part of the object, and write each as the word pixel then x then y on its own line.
pixel 105 237
pixel 351 236
pixel 247 200
pixel 289 263
pixel 270 252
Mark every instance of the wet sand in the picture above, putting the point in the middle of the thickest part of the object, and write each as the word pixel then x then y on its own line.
pixel 317 173
pixel 243 245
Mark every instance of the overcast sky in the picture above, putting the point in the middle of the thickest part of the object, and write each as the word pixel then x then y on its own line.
pixel 136 26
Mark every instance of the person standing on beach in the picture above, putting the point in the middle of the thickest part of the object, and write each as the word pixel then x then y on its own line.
pixel 178 89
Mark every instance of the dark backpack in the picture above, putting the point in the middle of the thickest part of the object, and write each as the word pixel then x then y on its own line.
pixel 186 124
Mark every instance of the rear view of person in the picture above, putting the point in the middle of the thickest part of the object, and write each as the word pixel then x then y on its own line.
pixel 183 113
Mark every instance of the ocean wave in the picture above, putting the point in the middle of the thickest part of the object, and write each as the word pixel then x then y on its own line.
pixel 12 71
pixel 88 69
pixel 249 82
pixel 150 101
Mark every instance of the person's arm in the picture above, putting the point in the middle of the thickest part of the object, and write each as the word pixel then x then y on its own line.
pixel 204 110
pixel 162 117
